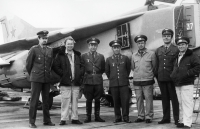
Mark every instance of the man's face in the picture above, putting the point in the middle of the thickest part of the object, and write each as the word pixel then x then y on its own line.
pixel 167 39
pixel 69 45
pixel 141 45
pixel 182 47
pixel 43 40
pixel 116 49
pixel 93 47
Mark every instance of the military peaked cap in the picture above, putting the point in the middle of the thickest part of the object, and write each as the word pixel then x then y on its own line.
pixel 115 43
pixel 167 32
pixel 93 40
pixel 140 38
pixel 182 40
pixel 43 33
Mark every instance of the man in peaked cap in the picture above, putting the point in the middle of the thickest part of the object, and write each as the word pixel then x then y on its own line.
pixel 144 67
pixel 118 68
pixel 38 65
pixel 165 56
pixel 94 67
pixel 186 66
pixel 140 38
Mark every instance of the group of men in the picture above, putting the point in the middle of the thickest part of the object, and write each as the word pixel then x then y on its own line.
pixel 174 67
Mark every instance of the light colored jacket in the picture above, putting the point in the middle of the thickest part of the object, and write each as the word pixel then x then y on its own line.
pixel 143 66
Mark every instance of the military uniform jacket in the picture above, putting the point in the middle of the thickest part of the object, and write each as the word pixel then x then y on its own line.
pixel 38 63
pixel 165 62
pixel 118 71
pixel 93 70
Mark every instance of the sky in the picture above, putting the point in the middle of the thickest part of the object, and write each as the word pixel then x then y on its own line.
pixel 65 13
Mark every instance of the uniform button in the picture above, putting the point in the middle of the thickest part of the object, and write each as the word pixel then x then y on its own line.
pixel 117 73
pixel 164 63
pixel 164 59
pixel 164 67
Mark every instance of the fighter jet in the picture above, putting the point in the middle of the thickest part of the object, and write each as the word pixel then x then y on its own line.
pixel 150 20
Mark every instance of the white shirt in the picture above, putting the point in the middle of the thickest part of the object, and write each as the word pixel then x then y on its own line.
pixel 71 60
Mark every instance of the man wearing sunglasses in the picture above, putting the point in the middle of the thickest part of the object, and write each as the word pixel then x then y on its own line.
pixel 38 65
pixel 165 56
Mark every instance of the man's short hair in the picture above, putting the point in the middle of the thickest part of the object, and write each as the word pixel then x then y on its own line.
pixel 69 38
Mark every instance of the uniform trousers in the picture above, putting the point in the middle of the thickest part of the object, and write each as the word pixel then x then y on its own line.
pixel 168 92
pixel 36 88
pixel 185 98
pixel 93 92
pixel 69 94
pixel 144 92
pixel 121 100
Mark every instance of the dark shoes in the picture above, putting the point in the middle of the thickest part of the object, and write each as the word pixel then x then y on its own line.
pixel 181 125
pixel 164 122
pixel 127 121
pixel 88 119
pixel 32 126
pixel 76 122
pixel 139 120
pixel 98 119
pixel 117 120
pixel 148 120
pixel 49 124
pixel 62 122
pixel 176 122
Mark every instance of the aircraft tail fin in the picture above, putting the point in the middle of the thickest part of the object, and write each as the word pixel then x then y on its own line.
pixel 15 28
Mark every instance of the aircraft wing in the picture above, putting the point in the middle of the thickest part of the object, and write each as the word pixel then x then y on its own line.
pixel 90 30
pixel 167 1
pixel 77 33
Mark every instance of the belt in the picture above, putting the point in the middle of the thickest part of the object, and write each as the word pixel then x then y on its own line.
pixel 93 72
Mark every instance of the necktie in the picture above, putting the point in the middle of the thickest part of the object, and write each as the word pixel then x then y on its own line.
pixel 93 57
pixel 117 58
pixel 165 49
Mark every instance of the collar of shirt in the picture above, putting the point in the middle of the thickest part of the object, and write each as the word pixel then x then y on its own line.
pixel 141 52
pixel 94 53
pixel 181 53
pixel 167 45
pixel 72 53
pixel 117 56
pixel 42 46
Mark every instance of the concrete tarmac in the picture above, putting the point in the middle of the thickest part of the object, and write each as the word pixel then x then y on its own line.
pixel 14 116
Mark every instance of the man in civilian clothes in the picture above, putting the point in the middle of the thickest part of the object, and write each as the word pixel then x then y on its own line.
pixel 118 68
pixel 187 65
pixel 38 65
pixel 94 67
pixel 166 55
pixel 68 66
pixel 144 66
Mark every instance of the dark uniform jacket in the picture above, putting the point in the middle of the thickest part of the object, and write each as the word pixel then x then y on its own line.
pixel 165 60
pixel 62 67
pixel 93 70
pixel 38 63
pixel 118 72
pixel 189 66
